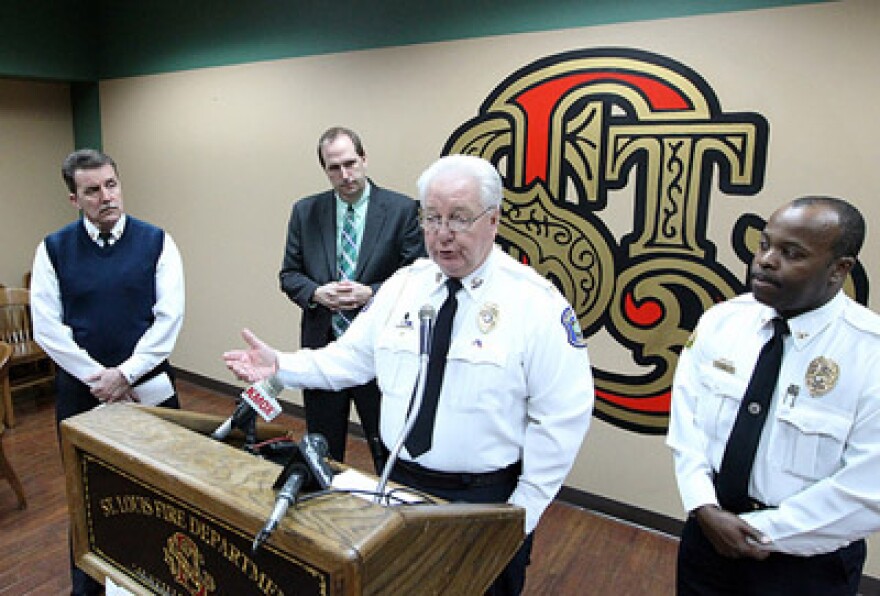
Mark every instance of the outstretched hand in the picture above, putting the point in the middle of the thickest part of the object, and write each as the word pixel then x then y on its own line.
pixel 254 364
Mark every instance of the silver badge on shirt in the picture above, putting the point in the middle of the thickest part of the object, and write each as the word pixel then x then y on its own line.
pixel 488 317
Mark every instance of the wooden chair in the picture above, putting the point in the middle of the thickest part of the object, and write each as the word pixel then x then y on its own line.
pixel 6 470
pixel 29 365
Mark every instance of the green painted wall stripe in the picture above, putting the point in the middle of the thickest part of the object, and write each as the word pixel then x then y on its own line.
pixel 162 36
pixel 87 40
pixel 51 40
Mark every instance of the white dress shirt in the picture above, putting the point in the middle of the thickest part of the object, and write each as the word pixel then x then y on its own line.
pixel 818 461
pixel 517 386
pixel 154 346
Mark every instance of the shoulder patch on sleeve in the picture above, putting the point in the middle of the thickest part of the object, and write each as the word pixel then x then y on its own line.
pixel 572 328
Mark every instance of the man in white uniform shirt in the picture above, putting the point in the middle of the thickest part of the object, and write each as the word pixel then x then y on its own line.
pixel 517 395
pixel 812 494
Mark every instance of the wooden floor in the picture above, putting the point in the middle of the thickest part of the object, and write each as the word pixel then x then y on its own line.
pixel 576 552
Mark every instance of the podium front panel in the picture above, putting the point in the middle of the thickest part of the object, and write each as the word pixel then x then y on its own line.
pixel 161 508
pixel 174 547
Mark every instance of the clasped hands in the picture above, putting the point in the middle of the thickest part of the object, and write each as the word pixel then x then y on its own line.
pixel 730 535
pixel 110 386
pixel 342 295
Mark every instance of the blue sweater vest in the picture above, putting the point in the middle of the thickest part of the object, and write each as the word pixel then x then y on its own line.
pixel 107 294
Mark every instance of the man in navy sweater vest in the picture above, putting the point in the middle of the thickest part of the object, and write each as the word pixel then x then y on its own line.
pixel 107 297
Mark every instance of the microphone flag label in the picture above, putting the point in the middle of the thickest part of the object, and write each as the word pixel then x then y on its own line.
pixel 262 399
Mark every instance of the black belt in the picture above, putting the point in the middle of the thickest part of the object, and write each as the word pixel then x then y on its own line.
pixel 426 478
pixel 751 504
pixel 756 505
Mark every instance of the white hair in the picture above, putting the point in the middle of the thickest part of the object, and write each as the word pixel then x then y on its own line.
pixel 484 173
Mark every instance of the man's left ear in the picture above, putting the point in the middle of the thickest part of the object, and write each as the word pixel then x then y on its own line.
pixel 842 267
pixel 495 216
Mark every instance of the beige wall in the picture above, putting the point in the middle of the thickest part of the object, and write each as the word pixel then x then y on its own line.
pixel 217 155
pixel 35 135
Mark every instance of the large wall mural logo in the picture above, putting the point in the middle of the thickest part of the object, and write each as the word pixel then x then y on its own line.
pixel 618 129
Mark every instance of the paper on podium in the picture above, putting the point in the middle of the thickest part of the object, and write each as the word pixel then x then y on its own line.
pixel 111 589
pixel 154 391
pixel 364 486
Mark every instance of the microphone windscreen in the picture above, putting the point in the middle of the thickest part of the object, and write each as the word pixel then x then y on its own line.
pixel 427 312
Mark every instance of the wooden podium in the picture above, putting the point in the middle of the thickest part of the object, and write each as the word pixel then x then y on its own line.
pixel 160 508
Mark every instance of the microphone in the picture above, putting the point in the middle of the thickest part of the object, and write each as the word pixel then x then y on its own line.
pixel 307 469
pixel 241 417
pixel 426 324
pixel 426 329
pixel 260 398
pixel 286 497
pixel 313 449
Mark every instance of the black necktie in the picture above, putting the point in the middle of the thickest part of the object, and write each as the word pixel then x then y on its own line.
pixel 105 237
pixel 419 439
pixel 732 484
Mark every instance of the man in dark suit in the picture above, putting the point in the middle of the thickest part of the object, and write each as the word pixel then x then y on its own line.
pixel 341 245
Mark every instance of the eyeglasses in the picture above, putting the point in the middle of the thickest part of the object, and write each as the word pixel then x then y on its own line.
pixel 456 223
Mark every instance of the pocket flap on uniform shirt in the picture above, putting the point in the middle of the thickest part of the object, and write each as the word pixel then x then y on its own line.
pixel 399 340
pixel 478 352
pixel 721 382
pixel 817 421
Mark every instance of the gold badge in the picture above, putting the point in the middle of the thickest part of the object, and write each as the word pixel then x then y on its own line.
pixel 822 375
pixel 488 317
